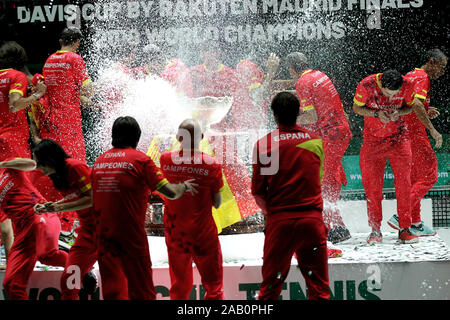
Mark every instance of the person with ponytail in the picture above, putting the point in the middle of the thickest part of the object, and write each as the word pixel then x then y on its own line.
pixel 72 178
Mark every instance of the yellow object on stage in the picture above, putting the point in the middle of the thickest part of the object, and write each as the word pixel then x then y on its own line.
pixel 228 213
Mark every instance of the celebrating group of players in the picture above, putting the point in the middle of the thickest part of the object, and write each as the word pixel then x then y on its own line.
pixel 110 199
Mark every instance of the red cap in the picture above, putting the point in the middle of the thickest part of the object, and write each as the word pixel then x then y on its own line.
pixel 36 78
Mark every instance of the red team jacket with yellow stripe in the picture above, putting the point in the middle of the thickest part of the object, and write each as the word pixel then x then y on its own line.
pixel 12 81
pixel 421 82
pixel 287 170
pixel 14 132
pixel 316 92
pixel 369 93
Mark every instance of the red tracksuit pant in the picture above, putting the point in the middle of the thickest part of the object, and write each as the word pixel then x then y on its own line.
pixel 36 241
pixel 82 257
pixel 307 238
pixel 372 162
pixel 335 144
pixel 126 277
pixel 207 258
pixel 424 171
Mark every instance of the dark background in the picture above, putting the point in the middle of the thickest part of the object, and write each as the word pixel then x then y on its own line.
pixel 404 37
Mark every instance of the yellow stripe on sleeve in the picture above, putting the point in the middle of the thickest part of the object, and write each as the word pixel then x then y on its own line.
pixel 86 188
pixel 161 184
pixel 359 103
pixel 16 90
pixel 420 96
pixel 254 86
pixel 86 81
pixel 307 108
pixel 410 103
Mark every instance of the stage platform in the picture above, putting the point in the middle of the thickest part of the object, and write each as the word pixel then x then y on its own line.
pixel 385 271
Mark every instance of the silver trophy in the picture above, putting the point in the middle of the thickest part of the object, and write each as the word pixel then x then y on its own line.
pixel 209 110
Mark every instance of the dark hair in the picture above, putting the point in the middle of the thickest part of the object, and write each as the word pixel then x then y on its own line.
pixel 12 55
pixel 286 108
pixel 297 61
pixel 51 154
pixel 125 132
pixel 434 54
pixel 392 80
pixel 70 35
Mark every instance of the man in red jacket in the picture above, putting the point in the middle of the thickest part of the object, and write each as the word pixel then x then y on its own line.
pixel 424 168
pixel 122 180
pixel 213 78
pixel 13 101
pixel 14 132
pixel 384 99
pixel 190 230
pixel 66 78
pixel 35 237
pixel 287 169
pixel 323 113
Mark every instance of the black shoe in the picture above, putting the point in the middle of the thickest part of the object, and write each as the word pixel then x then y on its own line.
pixel 90 283
pixel 338 234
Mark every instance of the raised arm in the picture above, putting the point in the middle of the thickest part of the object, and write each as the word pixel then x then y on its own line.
pixel 22 164
pixel 18 102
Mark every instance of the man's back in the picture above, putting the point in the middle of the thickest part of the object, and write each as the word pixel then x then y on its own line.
pixel 316 91
pixel 193 212
pixel 294 185
pixel 122 180
pixel 65 74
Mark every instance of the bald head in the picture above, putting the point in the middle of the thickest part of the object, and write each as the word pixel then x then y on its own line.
pixel 190 134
